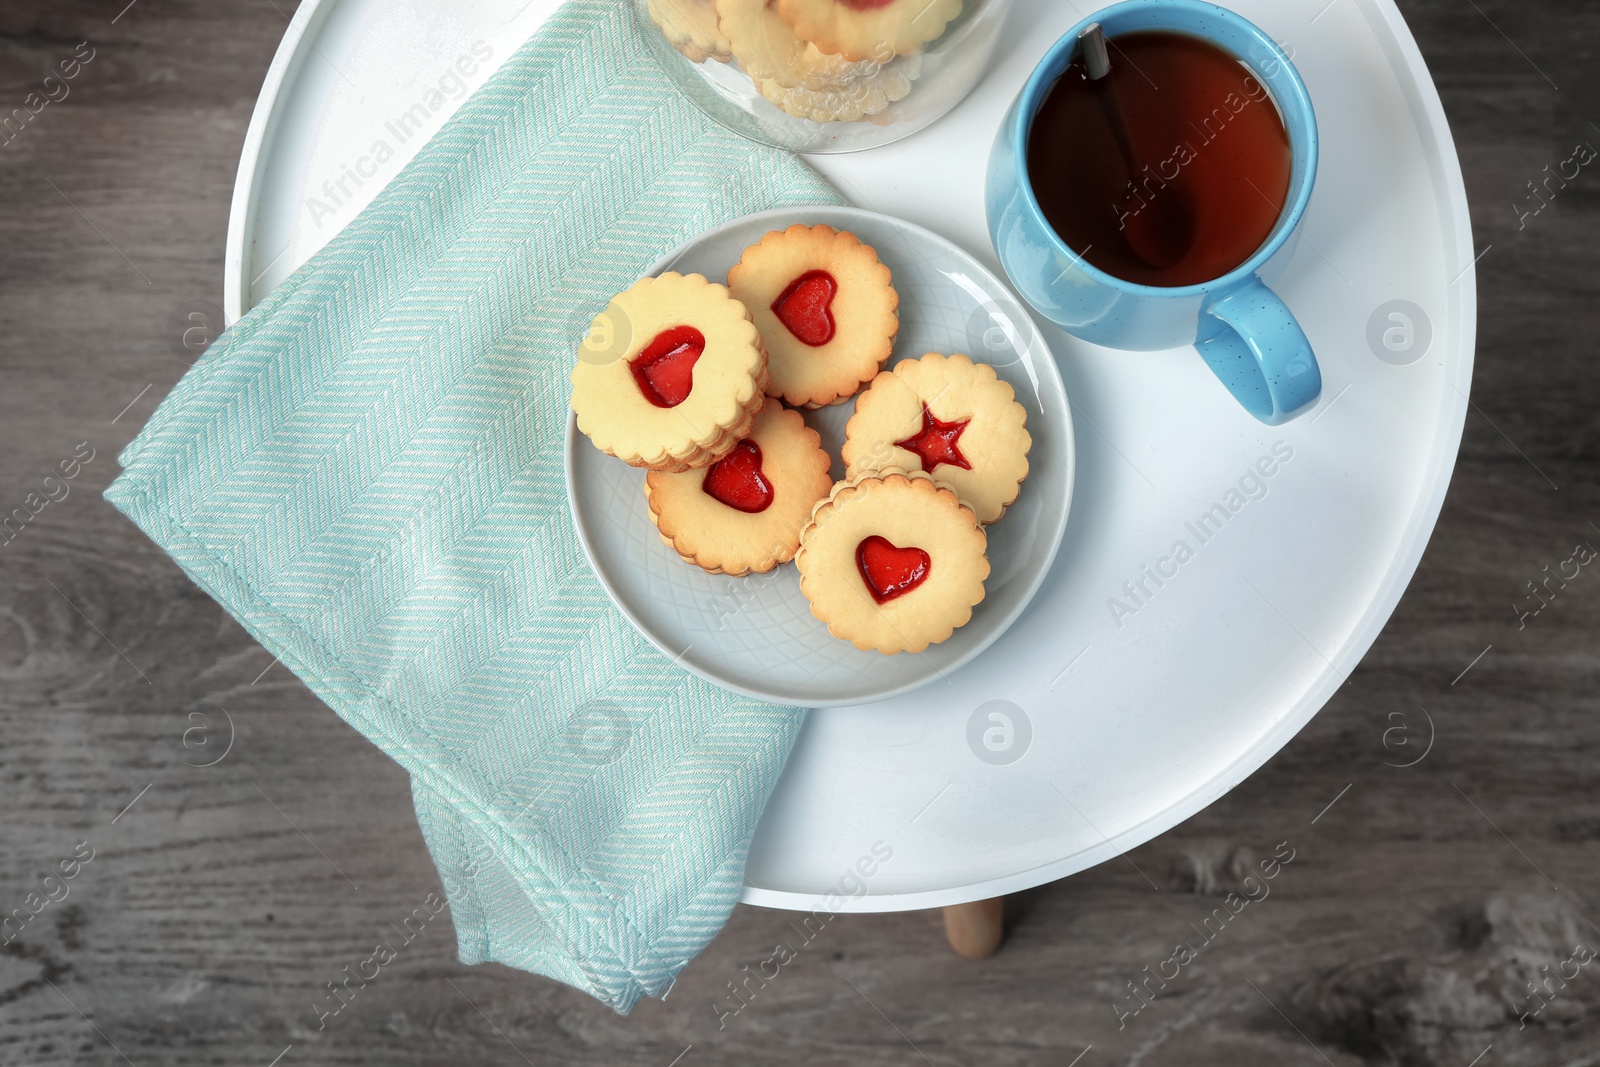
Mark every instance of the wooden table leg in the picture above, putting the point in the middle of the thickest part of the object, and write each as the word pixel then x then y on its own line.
pixel 975 930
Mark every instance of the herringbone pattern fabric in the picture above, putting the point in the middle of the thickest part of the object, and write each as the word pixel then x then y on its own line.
pixel 367 472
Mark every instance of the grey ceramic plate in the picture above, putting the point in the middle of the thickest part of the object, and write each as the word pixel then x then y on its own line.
pixel 756 635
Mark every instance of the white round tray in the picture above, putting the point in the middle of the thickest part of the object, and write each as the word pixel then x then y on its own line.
pixel 1120 703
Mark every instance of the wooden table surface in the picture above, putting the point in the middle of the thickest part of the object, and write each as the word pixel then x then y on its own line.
pixel 217 901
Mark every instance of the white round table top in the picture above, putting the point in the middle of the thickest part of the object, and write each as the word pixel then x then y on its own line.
pixel 1145 680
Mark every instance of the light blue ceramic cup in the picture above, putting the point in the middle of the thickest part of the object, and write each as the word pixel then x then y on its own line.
pixel 1248 337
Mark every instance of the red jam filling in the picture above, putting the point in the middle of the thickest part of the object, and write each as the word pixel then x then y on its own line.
pixel 891 572
pixel 865 5
pixel 935 443
pixel 665 369
pixel 804 307
pixel 736 480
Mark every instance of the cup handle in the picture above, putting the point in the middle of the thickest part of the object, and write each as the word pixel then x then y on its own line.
pixel 1260 353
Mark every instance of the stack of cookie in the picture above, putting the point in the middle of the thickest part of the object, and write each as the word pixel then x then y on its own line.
pixel 823 60
pixel 704 385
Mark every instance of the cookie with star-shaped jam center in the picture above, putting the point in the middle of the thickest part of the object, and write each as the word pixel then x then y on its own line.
pixel 950 417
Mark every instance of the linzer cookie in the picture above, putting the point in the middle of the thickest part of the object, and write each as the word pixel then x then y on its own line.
pixel 869 29
pixel 670 375
pixel 768 50
pixel 800 78
pixel 948 416
pixel 893 562
pixel 826 308
pixel 744 513
pixel 690 26
pixel 851 98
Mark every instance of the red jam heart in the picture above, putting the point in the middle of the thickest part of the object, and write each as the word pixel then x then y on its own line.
pixel 804 307
pixel 890 572
pixel 865 5
pixel 736 480
pixel 665 369
pixel 935 443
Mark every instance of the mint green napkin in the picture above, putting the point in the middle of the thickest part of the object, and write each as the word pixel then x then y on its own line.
pixel 367 473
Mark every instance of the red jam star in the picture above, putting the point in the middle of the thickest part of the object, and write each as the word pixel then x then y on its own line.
pixel 936 443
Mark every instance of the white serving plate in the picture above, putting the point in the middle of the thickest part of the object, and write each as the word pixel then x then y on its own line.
pixel 756 635
pixel 1079 735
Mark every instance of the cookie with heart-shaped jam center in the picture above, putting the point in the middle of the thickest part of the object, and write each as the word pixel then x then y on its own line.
pixel 664 371
pixel 827 310
pixel 739 481
pixel 889 571
pixel 893 561
pixel 745 512
pixel 670 375
pixel 805 308
pixel 950 417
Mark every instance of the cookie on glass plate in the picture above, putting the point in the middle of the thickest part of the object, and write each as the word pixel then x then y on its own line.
pixel 691 27
pixel 893 562
pixel 827 310
pixel 800 78
pixel 869 29
pixel 744 513
pixel 768 50
pixel 670 375
pixel 948 416
pixel 851 98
